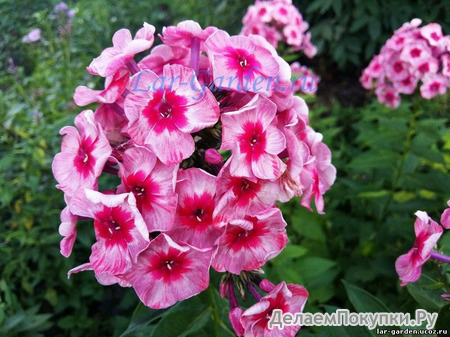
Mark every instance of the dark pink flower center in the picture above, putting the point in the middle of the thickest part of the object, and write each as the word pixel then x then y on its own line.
pixel 389 97
pixel 407 81
pixel 435 86
pixel 253 141
pixel 245 190
pixel 169 266
pixel 424 68
pixel 142 187
pixel 398 67
pixel 283 11
pixel 166 111
pixel 435 37
pixel 240 60
pixel 415 52
pixel 84 161
pixel 400 40
pixel 197 211
pixel 114 226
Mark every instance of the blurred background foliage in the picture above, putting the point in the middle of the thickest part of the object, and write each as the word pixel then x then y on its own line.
pixel 390 164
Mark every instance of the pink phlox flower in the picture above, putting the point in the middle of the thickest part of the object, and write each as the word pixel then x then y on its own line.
pixel 238 196
pixel 388 95
pixel 153 185
pixel 433 33
pixel 249 243
pixel 396 69
pixel 294 122
pixel 68 230
pixel 162 55
pixel 309 49
pixel 115 85
pixel 113 121
pixel 83 155
pixel 285 297
pixel 184 34
pixel 212 156
pixel 428 232
pixel 167 272
pixel 406 85
pixel 120 230
pixel 415 53
pixel 33 36
pixel 193 223
pixel 429 66
pixel 105 279
pixel 445 217
pixel 321 170
pixel 303 79
pixel 164 117
pixel 433 85
pixel 254 140
pixel 241 63
pixel 445 59
pixel 235 319
pixel 123 51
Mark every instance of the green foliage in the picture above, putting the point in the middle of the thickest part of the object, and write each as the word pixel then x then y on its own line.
pixel 350 32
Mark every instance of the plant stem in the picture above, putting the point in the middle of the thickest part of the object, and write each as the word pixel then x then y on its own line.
pixel 440 257
pixel 214 312
pixel 404 154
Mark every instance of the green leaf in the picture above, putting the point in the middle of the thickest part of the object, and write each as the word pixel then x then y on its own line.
pixel 443 318
pixel 373 194
pixel 345 331
pixel 424 292
pixel 362 300
pixel 186 318
pixel 142 317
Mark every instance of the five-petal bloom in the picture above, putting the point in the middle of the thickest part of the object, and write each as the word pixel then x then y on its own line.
pixel 241 63
pixel 254 140
pixel 285 297
pixel 153 185
pixel 248 243
pixel 167 272
pixel 193 223
pixel 83 155
pixel 123 51
pixel 119 229
pixel 164 111
pixel 428 232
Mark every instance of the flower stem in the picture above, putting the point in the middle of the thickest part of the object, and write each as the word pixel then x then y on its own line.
pixel 440 257
pixel 254 292
pixel 133 67
pixel 195 53
pixel 407 146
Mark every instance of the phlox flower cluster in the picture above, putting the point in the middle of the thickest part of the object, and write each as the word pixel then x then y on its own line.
pixel 311 82
pixel 279 21
pixel 413 54
pixel 428 233
pixel 63 16
pixel 197 176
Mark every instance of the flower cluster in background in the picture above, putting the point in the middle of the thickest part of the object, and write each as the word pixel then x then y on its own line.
pixel 279 21
pixel 411 55
pixel 304 80
pixel 62 15
pixel 428 233
pixel 199 165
